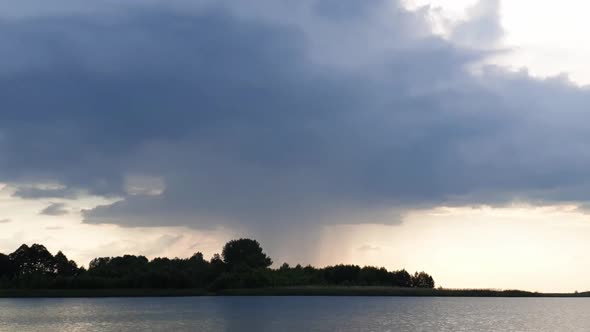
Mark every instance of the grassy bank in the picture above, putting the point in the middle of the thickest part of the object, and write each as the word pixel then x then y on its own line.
pixel 279 291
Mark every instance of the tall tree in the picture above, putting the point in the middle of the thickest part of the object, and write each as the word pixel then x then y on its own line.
pixel 245 252
pixel 65 267
pixel 35 259
pixel 422 280
pixel 7 267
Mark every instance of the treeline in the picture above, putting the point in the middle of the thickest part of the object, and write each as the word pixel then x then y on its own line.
pixel 242 264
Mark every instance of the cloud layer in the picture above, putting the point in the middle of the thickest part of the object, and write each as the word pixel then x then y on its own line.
pixel 55 209
pixel 276 113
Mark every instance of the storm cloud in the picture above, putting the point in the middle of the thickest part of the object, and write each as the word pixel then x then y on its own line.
pixel 277 113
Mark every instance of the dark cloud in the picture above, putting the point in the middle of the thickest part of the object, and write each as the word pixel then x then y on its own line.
pixel 36 193
pixel 323 117
pixel 55 209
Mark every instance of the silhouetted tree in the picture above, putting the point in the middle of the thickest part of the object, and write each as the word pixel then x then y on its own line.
pixel 217 260
pixel 244 265
pixel 217 266
pixel 373 276
pixel 7 267
pixel 118 266
pixel 342 274
pixel 422 280
pixel 197 258
pixel 35 259
pixel 245 252
pixel 401 279
pixel 65 267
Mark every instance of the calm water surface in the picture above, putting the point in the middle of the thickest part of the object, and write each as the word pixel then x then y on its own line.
pixel 295 314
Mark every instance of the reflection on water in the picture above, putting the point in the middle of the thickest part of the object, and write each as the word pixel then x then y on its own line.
pixel 295 314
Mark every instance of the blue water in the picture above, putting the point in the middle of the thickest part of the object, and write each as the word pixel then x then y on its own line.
pixel 328 314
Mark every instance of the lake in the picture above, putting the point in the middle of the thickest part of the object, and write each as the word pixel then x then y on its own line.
pixel 295 314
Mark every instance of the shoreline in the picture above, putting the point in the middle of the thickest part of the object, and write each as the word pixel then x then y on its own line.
pixel 281 291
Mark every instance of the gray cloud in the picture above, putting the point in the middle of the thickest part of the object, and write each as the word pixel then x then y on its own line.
pixel 483 28
pixel 324 116
pixel 37 193
pixel 55 209
pixel 5 221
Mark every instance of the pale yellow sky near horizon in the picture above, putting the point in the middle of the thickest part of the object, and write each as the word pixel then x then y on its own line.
pixel 524 247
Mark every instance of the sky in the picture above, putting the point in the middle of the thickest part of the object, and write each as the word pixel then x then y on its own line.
pixel 444 136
